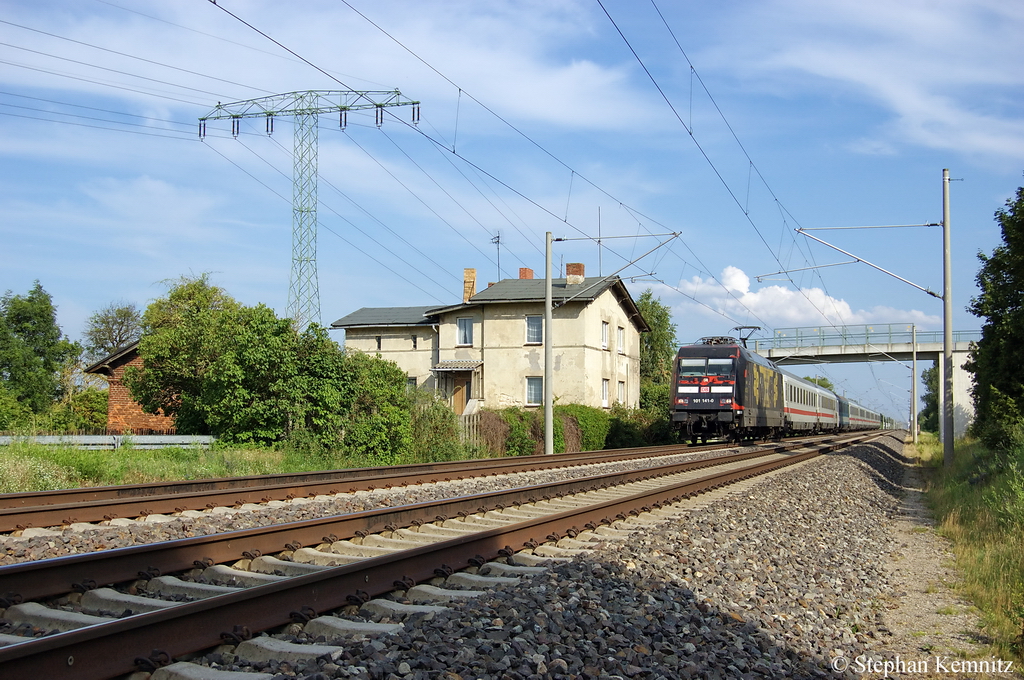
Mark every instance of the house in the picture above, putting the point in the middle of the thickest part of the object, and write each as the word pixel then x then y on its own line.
pixel 124 414
pixel 489 351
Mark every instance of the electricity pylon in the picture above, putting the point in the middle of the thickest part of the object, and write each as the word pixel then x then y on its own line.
pixel 306 108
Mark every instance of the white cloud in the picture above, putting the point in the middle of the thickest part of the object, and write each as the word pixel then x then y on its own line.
pixel 779 306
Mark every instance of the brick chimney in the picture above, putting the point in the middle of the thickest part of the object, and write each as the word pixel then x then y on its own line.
pixel 468 284
pixel 573 273
pixel 525 273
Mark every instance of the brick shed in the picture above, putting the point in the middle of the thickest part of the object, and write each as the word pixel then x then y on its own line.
pixel 123 412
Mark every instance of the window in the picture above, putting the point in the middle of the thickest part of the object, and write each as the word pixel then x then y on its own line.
pixel 410 382
pixel 534 330
pixel 622 392
pixel 620 340
pixel 691 368
pixel 465 331
pixel 378 343
pixel 720 367
pixel 605 386
pixel 534 391
pixel 414 342
pixel 604 335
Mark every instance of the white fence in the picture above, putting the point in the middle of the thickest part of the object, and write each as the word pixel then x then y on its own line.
pixel 469 428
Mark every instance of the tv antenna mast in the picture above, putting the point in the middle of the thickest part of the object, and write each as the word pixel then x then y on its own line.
pixel 306 107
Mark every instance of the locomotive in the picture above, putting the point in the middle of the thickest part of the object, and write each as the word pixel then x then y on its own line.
pixel 723 390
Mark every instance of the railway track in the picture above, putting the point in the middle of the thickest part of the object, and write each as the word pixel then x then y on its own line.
pixel 20 511
pixel 310 568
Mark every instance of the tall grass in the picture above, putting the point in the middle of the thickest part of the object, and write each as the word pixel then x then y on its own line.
pixel 33 467
pixel 979 503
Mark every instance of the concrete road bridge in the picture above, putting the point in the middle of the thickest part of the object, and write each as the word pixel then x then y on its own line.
pixel 877 342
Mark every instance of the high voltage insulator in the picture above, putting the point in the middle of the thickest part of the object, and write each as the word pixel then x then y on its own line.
pixel 305 107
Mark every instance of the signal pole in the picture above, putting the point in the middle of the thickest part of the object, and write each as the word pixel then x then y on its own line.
pixel 305 107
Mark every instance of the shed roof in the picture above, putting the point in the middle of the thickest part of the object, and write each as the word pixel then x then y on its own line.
pixel 121 355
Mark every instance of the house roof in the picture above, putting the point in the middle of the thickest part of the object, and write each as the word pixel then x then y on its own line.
pixel 118 356
pixel 386 316
pixel 532 290
pixel 505 291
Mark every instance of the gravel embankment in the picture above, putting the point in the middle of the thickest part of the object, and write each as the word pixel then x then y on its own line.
pixel 772 581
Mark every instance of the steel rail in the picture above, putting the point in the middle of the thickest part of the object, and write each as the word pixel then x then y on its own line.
pixel 110 649
pixel 63 507
pixel 55 576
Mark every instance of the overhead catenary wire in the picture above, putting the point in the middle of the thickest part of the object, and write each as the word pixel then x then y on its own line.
pixel 751 165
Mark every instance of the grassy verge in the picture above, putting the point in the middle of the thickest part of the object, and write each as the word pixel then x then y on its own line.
pixel 32 467
pixel 979 503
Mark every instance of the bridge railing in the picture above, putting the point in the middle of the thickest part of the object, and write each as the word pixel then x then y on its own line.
pixel 874 334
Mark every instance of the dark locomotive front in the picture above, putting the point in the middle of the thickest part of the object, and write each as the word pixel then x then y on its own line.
pixel 721 389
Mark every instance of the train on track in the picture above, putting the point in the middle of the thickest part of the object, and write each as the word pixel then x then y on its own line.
pixel 721 389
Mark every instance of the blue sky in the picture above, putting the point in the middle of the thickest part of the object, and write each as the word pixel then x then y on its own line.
pixel 803 114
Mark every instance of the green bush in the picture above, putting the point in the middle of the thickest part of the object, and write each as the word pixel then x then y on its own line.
pixel 1002 431
pixel 519 441
pixel 13 413
pixel 435 429
pixel 594 424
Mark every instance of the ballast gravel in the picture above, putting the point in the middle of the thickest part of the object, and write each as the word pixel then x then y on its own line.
pixel 775 580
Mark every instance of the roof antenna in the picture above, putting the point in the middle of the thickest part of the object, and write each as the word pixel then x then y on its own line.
pixel 744 338
pixel 497 241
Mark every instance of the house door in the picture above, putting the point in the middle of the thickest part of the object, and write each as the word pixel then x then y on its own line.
pixel 460 395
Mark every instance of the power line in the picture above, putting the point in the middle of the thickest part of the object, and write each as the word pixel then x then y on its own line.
pixel 99 82
pixel 319 224
pixel 451 148
pixel 365 212
pixel 121 54
pixel 96 127
pixel 111 70
pixel 220 38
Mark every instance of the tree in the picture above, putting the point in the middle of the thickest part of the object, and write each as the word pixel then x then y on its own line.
pixel 928 418
pixel 32 348
pixel 821 382
pixel 997 361
pixel 179 344
pixel 113 327
pixel 658 349
pixel 658 346
pixel 245 375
